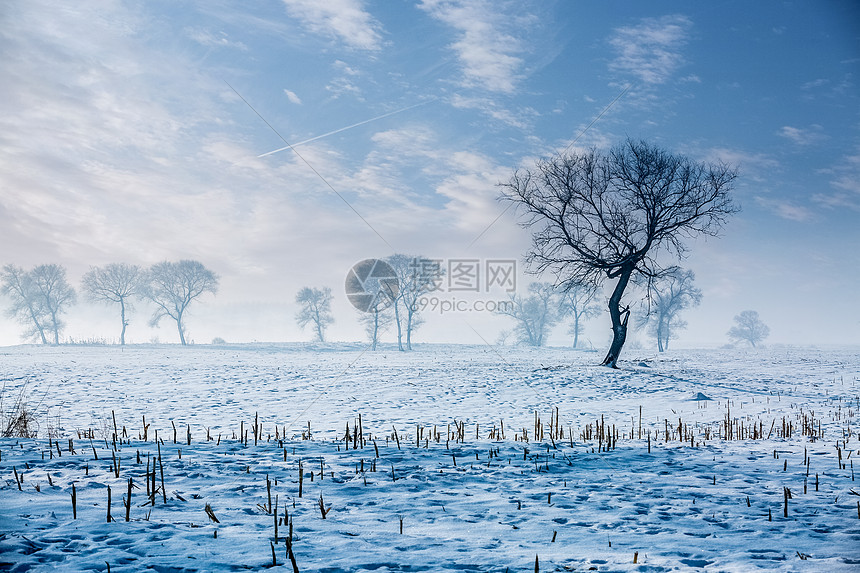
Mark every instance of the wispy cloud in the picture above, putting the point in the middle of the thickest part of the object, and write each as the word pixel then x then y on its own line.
pixel 291 95
pixel 411 175
pixel 786 209
pixel 651 50
pixel 344 83
pixel 519 119
pixel 755 166
pixel 847 174
pixel 210 40
pixel 838 200
pixel 803 136
pixel 815 84
pixel 341 86
pixel 845 179
pixel 488 55
pixel 471 191
pixel 346 20
pixel 113 152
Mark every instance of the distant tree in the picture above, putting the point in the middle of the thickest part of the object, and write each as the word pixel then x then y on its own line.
pixel 749 328
pixel 27 307
pixel 173 286
pixel 534 314
pixel 114 283
pixel 372 287
pixel 598 216
pixel 315 308
pixel 669 295
pixel 375 322
pixel 55 294
pixel 577 301
pixel 416 276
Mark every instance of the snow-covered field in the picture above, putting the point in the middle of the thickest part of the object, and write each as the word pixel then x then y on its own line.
pixel 465 485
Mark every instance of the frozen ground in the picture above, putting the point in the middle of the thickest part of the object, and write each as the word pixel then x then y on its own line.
pixel 466 497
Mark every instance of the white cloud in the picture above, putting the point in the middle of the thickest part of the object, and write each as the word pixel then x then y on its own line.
pixel 815 84
pixel 345 68
pixel 488 55
pixel 113 153
pixel 786 209
pixel 291 95
pixel 792 133
pixel 755 166
pixel 344 19
pixel 342 86
pixel 802 137
pixel 845 178
pixel 651 50
pixel 838 200
pixel 344 83
pixel 208 39
pixel 492 109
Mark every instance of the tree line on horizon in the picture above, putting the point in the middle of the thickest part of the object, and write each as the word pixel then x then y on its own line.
pixel 39 297
pixel 547 305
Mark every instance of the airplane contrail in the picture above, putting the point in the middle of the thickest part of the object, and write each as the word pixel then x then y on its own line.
pixel 347 127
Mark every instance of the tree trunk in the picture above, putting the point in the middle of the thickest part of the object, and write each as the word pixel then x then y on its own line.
pixel 409 314
pixel 660 334
pixel 375 329
pixel 181 330
pixel 124 323
pixel 318 323
pixel 619 318
pixel 39 327
pixel 575 329
pixel 56 328
pixel 397 320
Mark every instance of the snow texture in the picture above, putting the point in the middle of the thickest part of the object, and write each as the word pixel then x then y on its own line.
pixel 458 488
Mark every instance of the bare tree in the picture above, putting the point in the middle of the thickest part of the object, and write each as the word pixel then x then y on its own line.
pixel 372 286
pixel 27 307
pixel 749 328
pixel 669 295
pixel 416 276
pixel 375 322
pixel 577 301
pixel 173 286
pixel 315 308
pixel 617 216
pixel 534 314
pixel 50 285
pixel 502 338
pixel 114 283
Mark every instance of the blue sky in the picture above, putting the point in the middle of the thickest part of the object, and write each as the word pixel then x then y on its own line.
pixel 123 137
